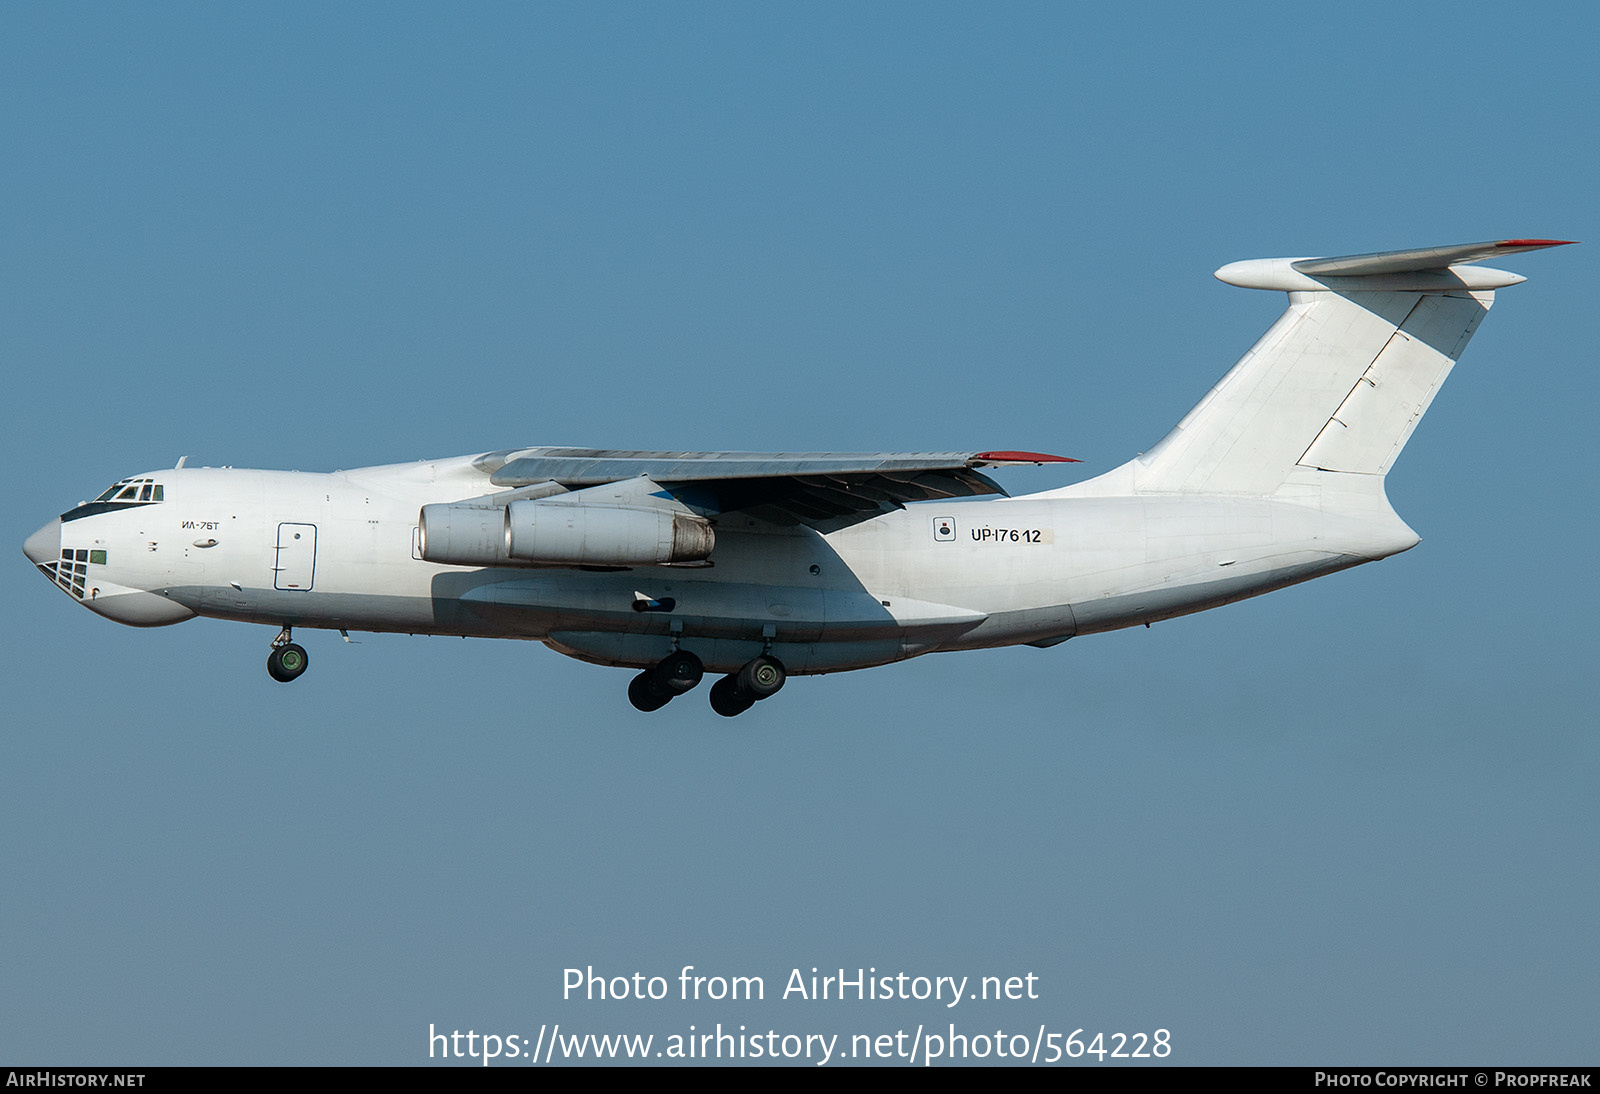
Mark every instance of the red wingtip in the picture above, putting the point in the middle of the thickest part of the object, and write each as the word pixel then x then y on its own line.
pixel 1021 457
pixel 1535 242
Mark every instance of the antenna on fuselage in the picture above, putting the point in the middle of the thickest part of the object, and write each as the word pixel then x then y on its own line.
pixel 181 461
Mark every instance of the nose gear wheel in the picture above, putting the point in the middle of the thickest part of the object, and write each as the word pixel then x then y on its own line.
pixel 287 662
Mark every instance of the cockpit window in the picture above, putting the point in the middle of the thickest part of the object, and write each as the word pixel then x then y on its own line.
pixel 124 494
pixel 133 490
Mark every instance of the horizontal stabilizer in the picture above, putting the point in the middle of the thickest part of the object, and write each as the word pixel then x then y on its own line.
pixel 1422 269
pixel 1423 258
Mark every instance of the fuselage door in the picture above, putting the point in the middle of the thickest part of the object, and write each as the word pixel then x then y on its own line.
pixel 296 565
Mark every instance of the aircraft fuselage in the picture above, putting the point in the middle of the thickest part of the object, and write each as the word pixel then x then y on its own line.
pixel 341 551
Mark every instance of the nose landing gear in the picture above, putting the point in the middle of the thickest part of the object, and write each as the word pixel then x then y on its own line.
pixel 287 660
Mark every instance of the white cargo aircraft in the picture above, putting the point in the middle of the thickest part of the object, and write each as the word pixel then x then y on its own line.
pixel 756 565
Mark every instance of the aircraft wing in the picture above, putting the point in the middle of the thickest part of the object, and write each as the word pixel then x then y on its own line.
pixel 810 486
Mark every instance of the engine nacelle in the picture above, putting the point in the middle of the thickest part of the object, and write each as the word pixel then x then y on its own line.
pixel 538 533
pixel 464 535
pixel 567 534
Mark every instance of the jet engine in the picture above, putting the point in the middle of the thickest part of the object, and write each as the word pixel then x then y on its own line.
pixel 464 535
pixel 567 534
pixel 562 533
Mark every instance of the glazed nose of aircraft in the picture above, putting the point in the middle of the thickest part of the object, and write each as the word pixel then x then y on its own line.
pixel 44 545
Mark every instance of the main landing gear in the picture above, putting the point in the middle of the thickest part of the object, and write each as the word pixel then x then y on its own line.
pixel 759 679
pixel 681 671
pixel 287 660
pixel 678 672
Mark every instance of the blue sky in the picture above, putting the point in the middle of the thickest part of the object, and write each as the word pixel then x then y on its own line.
pixel 1352 822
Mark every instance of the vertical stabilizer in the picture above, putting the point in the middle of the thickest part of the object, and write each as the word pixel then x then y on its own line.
pixel 1340 381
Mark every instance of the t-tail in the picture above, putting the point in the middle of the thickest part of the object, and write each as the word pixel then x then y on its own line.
pixel 1339 382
